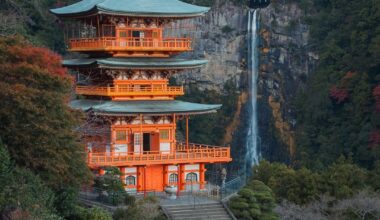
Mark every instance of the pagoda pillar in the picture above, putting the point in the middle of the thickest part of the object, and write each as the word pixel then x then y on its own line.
pixel 166 176
pixel 144 181
pixel 140 178
pixel 181 178
pixel 202 171
pixel 102 172
pixel 141 135
pixel 173 147
pixel 187 133
pixel 122 175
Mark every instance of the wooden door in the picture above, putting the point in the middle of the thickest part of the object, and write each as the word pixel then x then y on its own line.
pixel 155 142
pixel 154 178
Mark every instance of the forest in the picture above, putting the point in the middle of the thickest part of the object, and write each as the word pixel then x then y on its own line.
pixel 335 173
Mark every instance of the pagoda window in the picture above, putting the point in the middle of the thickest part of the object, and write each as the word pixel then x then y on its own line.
pixel 108 30
pixel 135 34
pixel 137 139
pixel 123 34
pixel 164 134
pixel 191 177
pixel 121 135
pixel 173 178
pixel 130 181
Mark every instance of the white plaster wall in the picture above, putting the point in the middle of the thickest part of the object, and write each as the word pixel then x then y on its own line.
pixel 165 148
pixel 192 167
pixel 130 170
pixel 121 148
pixel 172 168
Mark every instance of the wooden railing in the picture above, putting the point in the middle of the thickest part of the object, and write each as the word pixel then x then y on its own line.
pixel 194 154
pixel 119 91
pixel 130 44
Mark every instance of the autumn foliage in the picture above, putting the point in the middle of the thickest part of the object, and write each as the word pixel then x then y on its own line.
pixel 39 57
pixel 338 94
pixel 37 125
pixel 376 94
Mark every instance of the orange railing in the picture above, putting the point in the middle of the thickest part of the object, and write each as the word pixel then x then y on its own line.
pixel 194 154
pixel 130 44
pixel 120 91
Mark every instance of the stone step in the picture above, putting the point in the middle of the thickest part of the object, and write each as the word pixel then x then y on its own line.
pixel 200 213
pixel 203 218
pixel 181 212
pixel 197 206
pixel 220 215
pixel 214 211
pixel 190 209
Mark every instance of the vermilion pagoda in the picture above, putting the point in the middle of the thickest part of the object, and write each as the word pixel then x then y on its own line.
pixel 132 114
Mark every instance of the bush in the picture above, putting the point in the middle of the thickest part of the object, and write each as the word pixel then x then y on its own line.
pixel 129 200
pixel 341 180
pixel 147 209
pixel 91 214
pixel 255 201
pixel 111 189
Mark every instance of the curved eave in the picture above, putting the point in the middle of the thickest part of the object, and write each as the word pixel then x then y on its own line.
pixel 136 8
pixel 126 108
pixel 113 63
pixel 137 14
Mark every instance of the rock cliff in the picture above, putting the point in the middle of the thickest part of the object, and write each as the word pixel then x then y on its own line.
pixel 285 64
pixel 219 38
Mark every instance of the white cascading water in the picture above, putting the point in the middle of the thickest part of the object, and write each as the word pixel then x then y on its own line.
pixel 252 149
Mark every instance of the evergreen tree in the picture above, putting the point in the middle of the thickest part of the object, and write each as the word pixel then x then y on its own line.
pixel 337 110
pixel 255 201
pixel 23 195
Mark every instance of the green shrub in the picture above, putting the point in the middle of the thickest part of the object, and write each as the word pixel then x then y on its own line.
pixel 91 214
pixel 129 200
pixel 255 201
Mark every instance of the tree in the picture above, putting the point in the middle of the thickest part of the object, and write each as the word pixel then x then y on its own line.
pixel 298 186
pixel 316 210
pixel 110 187
pixel 90 214
pixel 23 195
pixel 37 125
pixel 147 209
pixel 336 111
pixel 255 201
pixel 361 206
pixel 374 178
pixel 343 179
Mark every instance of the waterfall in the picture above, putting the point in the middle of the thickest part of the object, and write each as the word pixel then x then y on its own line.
pixel 252 147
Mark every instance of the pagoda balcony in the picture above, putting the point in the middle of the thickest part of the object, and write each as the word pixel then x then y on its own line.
pixel 113 44
pixel 193 153
pixel 147 92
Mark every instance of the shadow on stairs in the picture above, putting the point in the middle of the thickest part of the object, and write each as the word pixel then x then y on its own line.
pixel 212 211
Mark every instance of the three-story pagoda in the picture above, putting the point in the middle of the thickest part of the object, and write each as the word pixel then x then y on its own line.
pixel 132 114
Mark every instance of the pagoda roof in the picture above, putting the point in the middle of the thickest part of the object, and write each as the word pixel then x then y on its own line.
pixel 135 8
pixel 134 63
pixel 123 108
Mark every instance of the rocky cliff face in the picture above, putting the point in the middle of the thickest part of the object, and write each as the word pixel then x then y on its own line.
pixel 219 38
pixel 286 62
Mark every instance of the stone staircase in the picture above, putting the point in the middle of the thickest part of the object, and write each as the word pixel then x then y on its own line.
pixel 213 211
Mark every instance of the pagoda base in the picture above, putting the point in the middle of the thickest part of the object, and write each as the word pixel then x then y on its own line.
pixel 155 178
